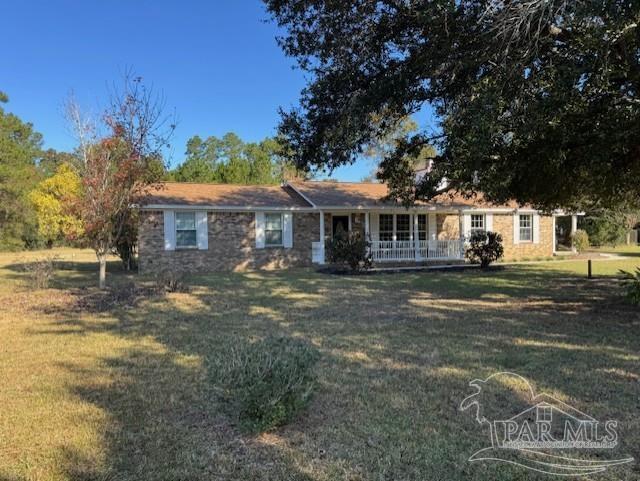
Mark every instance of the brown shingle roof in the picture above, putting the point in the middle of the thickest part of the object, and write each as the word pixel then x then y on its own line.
pixel 224 195
pixel 295 195
pixel 365 194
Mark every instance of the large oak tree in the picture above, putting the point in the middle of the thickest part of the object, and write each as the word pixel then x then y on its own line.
pixel 537 100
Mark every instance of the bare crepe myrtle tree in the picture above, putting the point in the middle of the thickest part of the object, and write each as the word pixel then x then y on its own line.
pixel 119 152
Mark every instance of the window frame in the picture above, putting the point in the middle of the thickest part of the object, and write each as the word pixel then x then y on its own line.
pixel 267 231
pixel 390 232
pixel 483 218
pixel 526 228
pixel 408 232
pixel 424 230
pixel 194 230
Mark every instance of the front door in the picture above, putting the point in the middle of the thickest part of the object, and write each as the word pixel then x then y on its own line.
pixel 339 223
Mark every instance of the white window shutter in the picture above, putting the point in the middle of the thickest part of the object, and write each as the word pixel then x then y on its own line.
pixel 259 230
pixel 536 229
pixel 375 226
pixel 516 228
pixel 433 227
pixel 466 225
pixel 488 222
pixel 202 231
pixel 169 230
pixel 287 230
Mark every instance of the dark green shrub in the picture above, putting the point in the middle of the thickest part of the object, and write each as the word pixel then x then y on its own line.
pixel 632 285
pixel 484 248
pixel 606 228
pixel 270 381
pixel 349 251
pixel 580 240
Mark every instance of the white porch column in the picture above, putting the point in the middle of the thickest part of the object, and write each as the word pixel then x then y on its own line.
pixel 394 238
pixel 553 232
pixel 433 226
pixel 574 228
pixel 416 237
pixel 461 233
pixel 366 226
pixel 322 256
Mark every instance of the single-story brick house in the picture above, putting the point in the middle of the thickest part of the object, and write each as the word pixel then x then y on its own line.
pixel 213 227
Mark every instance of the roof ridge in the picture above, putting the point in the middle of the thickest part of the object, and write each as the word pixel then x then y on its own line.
pixel 329 182
pixel 217 184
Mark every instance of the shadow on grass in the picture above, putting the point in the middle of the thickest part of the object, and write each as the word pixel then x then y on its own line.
pixel 398 353
pixel 70 274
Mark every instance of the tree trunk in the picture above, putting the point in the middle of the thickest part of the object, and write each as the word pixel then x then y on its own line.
pixel 102 258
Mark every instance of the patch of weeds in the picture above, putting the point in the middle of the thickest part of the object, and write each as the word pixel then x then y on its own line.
pixel 123 295
pixel 171 281
pixel 41 271
pixel 632 285
pixel 269 382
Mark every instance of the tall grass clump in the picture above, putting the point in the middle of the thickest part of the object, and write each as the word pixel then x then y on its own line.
pixel 269 382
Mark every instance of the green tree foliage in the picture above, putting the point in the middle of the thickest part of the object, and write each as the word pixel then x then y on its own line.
pixel 230 160
pixel 537 101
pixel 51 160
pixel 607 227
pixel 20 149
pixel 388 142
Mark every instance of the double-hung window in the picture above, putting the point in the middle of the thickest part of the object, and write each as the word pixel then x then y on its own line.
pixel 403 227
pixel 386 227
pixel 186 236
pixel 477 223
pixel 273 230
pixel 422 227
pixel 526 227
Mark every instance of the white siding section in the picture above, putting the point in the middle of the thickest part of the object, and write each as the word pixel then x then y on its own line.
pixel 169 230
pixel 466 224
pixel 202 231
pixel 516 228
pixel 287 230
pixel 488 222
pixel 259 230
pixel 375 226
pixel 536 229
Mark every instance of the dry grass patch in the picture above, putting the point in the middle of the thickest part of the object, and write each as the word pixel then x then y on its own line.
pixel 130 393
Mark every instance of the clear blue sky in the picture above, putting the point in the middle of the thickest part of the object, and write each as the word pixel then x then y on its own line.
pixel 217 63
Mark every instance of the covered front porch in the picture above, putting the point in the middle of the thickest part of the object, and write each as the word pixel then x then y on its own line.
pixel 397 236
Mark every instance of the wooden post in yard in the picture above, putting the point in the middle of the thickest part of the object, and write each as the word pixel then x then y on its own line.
pixel 589 269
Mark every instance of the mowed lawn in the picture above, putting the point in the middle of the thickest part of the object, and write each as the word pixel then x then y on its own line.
pixel 131 394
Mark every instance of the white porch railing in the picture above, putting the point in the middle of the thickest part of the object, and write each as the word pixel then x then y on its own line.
pixel 404 251
pixel 399 251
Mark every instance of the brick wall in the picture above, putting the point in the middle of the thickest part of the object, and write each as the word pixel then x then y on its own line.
pixel 503 223
pixel 448 226
pixel 231 245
